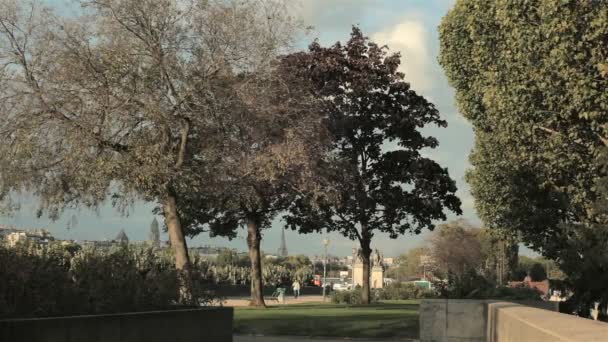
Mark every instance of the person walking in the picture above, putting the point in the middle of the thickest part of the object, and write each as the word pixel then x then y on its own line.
pixel 296 288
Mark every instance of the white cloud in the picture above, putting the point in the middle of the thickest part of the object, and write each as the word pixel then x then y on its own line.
pixel 411 38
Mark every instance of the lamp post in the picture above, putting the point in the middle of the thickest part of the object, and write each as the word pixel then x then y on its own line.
pixel 325 243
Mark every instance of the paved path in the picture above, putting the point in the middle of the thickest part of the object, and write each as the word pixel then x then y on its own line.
pixel 310 339
pixel 235 302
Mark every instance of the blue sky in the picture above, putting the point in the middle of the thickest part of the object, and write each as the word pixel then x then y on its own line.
pixel 407 26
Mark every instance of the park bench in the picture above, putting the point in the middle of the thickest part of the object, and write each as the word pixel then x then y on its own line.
pixel 278 295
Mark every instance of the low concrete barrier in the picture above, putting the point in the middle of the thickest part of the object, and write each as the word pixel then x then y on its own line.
pixel 461 320
pixel 509 322
pixel 205 324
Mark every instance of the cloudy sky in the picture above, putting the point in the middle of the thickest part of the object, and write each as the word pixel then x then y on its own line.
pixel 406 26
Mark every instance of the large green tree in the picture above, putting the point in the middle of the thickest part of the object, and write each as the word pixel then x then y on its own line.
pixel 530 77
pixel 377 179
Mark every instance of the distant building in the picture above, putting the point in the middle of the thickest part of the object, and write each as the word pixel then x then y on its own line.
pixel 13 236
pixel 388 261
pixel 122 238
pixel 6 230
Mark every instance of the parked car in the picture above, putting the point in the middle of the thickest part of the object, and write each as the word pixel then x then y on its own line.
pixel 342 287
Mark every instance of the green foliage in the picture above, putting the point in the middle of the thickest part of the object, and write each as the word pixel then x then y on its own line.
pixel 351 297
pixel 410 265
pixel 36 285
pixel 472 285
pixel 456 249
pixel 229 257
pixel 550 269
pixel 537 272
pixel 369 103
pixel 508 293
pixel 531 78
pixel 403 291
pixel 60 280
pixel 374 189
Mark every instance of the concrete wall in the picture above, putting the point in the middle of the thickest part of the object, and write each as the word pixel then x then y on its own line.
pixel 510 322
pixel 460 320
pixel 206 324
pixel 452 320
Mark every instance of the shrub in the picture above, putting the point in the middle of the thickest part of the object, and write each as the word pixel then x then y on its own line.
pixel 403 291
pixel 351 297
pixel 474 286
pixel 509 293
pixel 36 284
pixel 59 280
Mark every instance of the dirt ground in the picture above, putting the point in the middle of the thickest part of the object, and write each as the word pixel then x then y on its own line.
pixel 289 300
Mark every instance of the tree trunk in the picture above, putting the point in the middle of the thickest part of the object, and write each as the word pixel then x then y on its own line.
pixel 180 249
pixel 253 242
pixel 365 256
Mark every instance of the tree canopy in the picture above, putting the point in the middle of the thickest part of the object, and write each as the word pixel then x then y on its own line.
pixel 527 77
pixel 122 100
pixel 531 78
pixel 377 179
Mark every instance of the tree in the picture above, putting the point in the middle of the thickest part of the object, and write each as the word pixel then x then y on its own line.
pixel 456 249
pixel 378 181
pixel 154 236
pixel 226 257
pixel 117 101
pixel 537 272
pixel 499 250
pixel 270 143
pixel 530 77
pixel 411 265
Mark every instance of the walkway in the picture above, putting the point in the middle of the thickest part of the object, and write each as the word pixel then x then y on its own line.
pixel 236 302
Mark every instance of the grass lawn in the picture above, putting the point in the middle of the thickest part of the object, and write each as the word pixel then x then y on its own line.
pixel 387 319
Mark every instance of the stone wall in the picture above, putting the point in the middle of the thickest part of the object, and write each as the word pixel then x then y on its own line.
pixel 509 322
pixel 205 324
pixel 460 320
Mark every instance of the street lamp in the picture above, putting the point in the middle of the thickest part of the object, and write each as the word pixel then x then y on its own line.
pixel 325 243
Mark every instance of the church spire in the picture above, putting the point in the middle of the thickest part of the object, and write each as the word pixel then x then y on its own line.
pixel 282 252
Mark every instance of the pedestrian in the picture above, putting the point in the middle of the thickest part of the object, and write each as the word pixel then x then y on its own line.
pixel 296 288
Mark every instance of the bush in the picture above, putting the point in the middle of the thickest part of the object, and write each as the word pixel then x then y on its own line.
pixel 36 285
pixel 403 291
pixel 474 286
pixel 351 297
pixel 58 280
pixel 509 293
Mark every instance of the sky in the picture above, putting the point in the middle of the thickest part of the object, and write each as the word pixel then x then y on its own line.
pixel 406 26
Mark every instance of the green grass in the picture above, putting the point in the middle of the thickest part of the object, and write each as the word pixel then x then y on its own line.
pixel 387 319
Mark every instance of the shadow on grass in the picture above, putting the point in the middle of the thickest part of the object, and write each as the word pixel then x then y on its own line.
pixel 381 320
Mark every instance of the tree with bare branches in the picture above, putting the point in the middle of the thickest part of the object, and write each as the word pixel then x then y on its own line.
pixel 120 100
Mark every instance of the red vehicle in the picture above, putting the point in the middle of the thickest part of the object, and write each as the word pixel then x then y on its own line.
pixel 317 280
